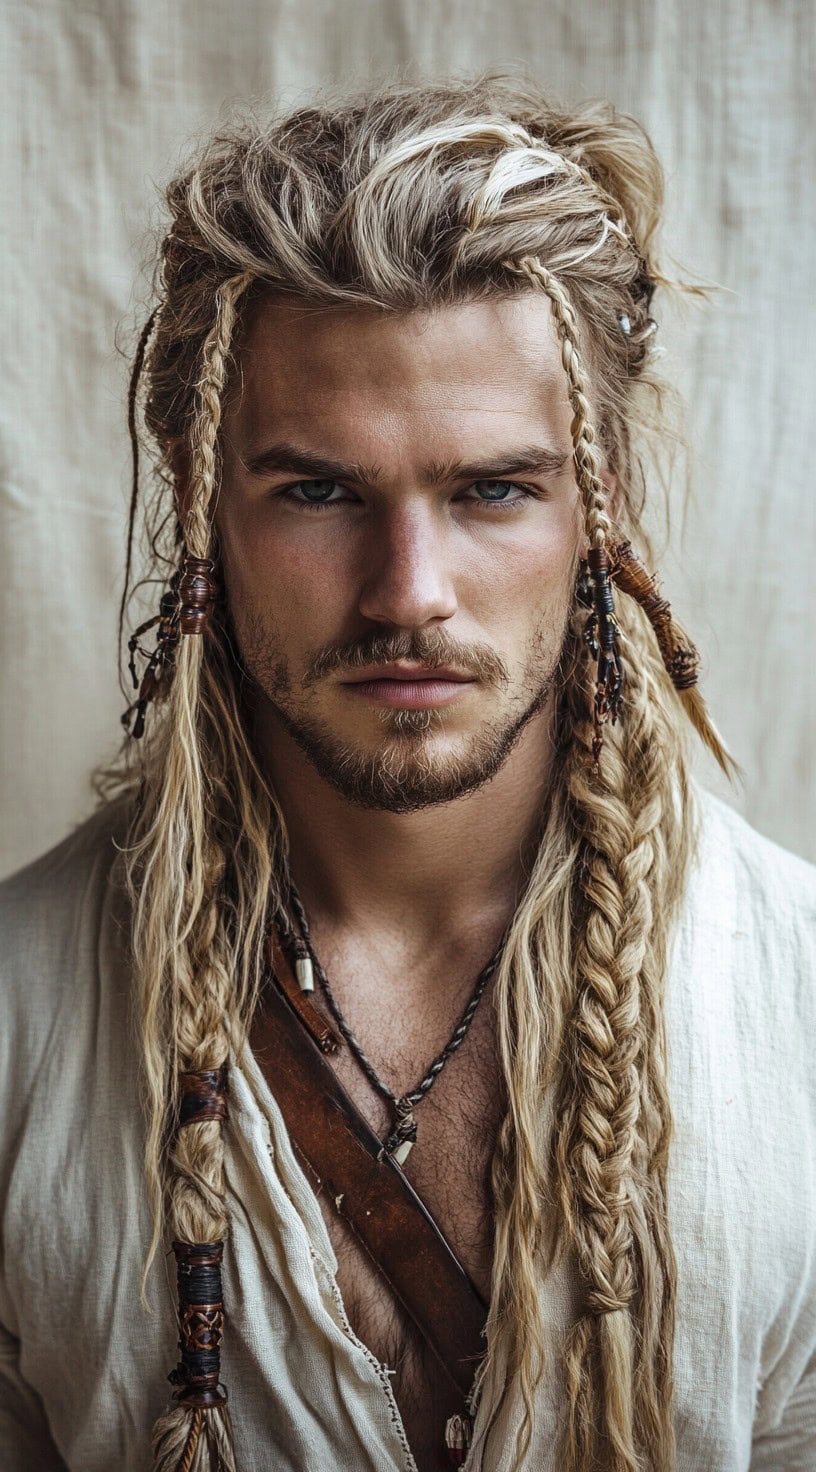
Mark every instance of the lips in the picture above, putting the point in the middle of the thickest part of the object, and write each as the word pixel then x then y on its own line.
pixel 411 673
pixel 409 686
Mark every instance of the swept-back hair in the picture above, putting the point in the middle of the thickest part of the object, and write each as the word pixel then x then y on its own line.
pixel 412 198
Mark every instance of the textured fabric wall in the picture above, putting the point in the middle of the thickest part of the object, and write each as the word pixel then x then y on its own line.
pixel 100 100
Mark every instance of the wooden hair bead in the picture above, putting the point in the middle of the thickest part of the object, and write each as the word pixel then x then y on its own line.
pixel 197 593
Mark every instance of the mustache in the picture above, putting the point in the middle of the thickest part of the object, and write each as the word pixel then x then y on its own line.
pixel 431 647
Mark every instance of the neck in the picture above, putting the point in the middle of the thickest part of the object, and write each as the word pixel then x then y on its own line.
pixel 421 873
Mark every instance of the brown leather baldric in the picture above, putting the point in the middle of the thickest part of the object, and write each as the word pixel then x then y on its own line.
pixel 289 1037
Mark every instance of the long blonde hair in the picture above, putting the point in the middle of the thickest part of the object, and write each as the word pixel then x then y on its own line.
pixel 415 197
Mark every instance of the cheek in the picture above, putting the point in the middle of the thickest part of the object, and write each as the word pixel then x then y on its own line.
pixel 280 581
pixel 530 574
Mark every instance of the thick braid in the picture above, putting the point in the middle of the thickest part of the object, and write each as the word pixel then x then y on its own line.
pixel 196 1433
pixel 586 1018
pixel 598 1152
pixel 610 1147
pixel 594 1160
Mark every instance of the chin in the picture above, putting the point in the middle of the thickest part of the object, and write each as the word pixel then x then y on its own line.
pixel 410 770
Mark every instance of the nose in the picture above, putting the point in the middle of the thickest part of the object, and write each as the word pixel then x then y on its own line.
pixel 408 577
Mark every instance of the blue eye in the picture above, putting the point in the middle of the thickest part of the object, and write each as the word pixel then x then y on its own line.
pixel 314 495
pixel 499 492
pixel 314 492
pixel 497 488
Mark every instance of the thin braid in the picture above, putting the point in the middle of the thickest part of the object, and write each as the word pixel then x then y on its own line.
pixel 587 459
pixel 585 449
pixel 133 433
pixel 618 1372
pixel 207 421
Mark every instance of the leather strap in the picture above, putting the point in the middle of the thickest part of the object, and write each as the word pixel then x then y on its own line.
pixel 368 1190
pixel 202 1095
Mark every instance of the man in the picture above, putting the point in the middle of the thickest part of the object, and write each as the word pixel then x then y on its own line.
pixel 407 782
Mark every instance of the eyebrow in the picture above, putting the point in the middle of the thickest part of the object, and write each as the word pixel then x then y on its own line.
pixel 525 460
pixel 290 459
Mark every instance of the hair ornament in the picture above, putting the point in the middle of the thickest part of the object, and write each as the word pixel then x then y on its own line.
pixel 201 1326
pixel 679 655
pixel 601 637
pixel 202 1095
pixel 185 608
pixel 197 592
pixel 196 1431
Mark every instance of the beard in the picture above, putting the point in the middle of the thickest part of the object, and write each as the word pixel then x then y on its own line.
pixel 405 772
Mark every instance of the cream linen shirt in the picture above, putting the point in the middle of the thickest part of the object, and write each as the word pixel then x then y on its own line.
pixel 83 1367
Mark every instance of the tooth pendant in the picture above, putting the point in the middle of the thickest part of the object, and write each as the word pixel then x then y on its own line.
pixel 304 972
pixel 402 1152
pixel 458 1436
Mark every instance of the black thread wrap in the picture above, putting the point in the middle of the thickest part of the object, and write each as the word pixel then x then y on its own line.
pixel 201 1324
pixel 604 604
pixel 602 631
pixel 609 678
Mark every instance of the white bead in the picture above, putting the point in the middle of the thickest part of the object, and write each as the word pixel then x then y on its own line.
pixel 403 1150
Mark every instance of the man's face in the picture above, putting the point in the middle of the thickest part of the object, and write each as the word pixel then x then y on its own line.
pixel 400 528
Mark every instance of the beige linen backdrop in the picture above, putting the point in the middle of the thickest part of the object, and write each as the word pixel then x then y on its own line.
pixel 100 102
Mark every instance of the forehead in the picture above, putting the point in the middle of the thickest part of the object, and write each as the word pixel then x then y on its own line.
pixel 472 371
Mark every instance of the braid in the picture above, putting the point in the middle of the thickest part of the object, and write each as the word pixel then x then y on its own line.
pixel 207 420
pixel 133 395
pixel 202 990
pixel 585 450
pixel 580 1011
pixel 608 1139
pixel 610 1143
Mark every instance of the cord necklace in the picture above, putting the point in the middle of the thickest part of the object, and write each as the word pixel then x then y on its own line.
pixel 399 1142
